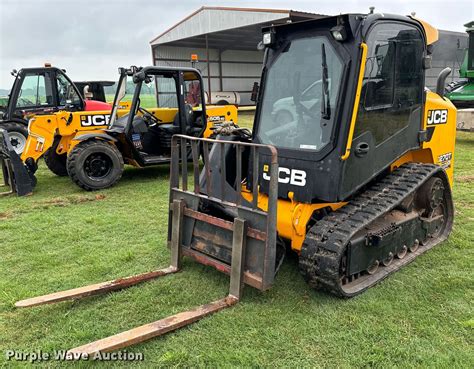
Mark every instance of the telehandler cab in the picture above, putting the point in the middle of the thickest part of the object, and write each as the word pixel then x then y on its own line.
pixel 358 185
pixel 92 147
pixel 45 90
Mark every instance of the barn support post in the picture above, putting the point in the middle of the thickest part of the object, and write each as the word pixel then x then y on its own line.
pixel 221 88
pixel 208 71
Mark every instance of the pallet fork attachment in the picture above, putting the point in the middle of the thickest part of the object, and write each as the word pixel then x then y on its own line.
pixel 183 219
pixel 16 177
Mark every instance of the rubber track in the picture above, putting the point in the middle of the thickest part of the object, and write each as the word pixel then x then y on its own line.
pixel 327 240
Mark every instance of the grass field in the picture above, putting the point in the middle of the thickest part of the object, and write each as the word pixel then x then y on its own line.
pixel 63 237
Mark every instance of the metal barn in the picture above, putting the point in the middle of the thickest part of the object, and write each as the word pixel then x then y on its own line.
pixel 225 41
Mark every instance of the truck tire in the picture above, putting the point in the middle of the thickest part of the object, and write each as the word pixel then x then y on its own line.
pixel 55 162
pixel 18 135
pixel 95 165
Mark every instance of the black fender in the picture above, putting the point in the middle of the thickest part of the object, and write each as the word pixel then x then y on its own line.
pixel 99 136
pixel 14 120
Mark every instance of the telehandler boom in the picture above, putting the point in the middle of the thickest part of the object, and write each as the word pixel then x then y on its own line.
pixel 358 185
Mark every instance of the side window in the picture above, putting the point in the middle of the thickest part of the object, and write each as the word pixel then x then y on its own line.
pixel 148 93
pixel 380 74
pixel 66 92
pixel 192 92
pixel 166 92
pixel 392 85
pixel 35 91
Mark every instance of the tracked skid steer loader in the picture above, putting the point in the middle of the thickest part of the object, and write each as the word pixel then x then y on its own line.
pixel 357 185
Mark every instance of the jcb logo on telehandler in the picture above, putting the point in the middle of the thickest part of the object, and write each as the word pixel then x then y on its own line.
pixel 95 120
pixel 294 177
pixel 437 117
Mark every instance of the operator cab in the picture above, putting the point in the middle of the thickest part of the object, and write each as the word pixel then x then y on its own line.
pixel 41 90
pixel 165 102
pixel 309 96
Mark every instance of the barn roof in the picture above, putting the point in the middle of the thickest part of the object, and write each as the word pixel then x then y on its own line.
pixel 224 26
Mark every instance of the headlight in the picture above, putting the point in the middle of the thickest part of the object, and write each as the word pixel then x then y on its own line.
pixel 267 38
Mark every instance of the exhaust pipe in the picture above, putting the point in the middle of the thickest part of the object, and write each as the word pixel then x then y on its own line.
pixel 16 176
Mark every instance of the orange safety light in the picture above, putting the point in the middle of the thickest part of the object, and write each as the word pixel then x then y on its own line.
pixel 47 65
pixel 194 57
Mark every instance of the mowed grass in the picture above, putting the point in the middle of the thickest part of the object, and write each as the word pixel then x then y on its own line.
pixel 63 237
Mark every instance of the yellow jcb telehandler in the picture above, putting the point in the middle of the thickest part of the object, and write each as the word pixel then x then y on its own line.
pixel 92 147
pixel 357 185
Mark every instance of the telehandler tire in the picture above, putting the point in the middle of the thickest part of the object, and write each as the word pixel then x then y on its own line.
pixel 95 165
pixel 18 135
pixel 55 162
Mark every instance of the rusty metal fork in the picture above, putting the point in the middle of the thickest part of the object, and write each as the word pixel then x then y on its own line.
pixel 171 323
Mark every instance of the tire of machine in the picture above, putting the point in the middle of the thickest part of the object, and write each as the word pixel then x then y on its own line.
pixel 84 165
pixel 19 130
pixel 55 162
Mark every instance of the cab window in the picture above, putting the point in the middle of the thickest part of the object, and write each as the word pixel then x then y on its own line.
pixel 67 95
pixel 393 79
pixel 192 93
pixel 35 91
pixel 166 92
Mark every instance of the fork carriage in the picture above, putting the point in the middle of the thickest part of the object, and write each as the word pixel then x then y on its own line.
pixel 241 245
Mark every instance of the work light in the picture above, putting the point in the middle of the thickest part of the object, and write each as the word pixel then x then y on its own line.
pixel 339 33
pixel 268 38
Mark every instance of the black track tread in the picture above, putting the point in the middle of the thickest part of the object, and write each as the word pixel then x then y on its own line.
pixel 74 155
pixel 327 240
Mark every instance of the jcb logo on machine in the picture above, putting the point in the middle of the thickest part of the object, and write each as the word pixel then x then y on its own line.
pixel 437 117
pixel 295 177
pixel 95 120
pixel 217 118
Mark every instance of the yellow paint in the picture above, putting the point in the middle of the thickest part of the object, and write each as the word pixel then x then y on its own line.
pixel 227 112
pixel 44 128
pixel 443 140
pixel 363 61
pixel 292 216
pixel 431 33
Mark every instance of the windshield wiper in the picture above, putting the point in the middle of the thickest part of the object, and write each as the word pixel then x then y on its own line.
pixel 325 103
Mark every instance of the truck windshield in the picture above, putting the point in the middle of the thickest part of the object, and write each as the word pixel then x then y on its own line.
pixel 298 98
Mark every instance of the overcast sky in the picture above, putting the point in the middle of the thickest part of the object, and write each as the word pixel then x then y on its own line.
pixel 91 38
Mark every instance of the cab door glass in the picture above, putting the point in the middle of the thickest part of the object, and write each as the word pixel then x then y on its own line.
pixel 35 91
pixel 166 94
pixel 67 94
pixel 393 81
pixel 192 93
pixel 380 77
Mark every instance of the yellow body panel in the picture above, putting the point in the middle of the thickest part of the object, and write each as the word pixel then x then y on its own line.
pixel 42 129
pixel 431 33
pixel 440 148
pixel 292 216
